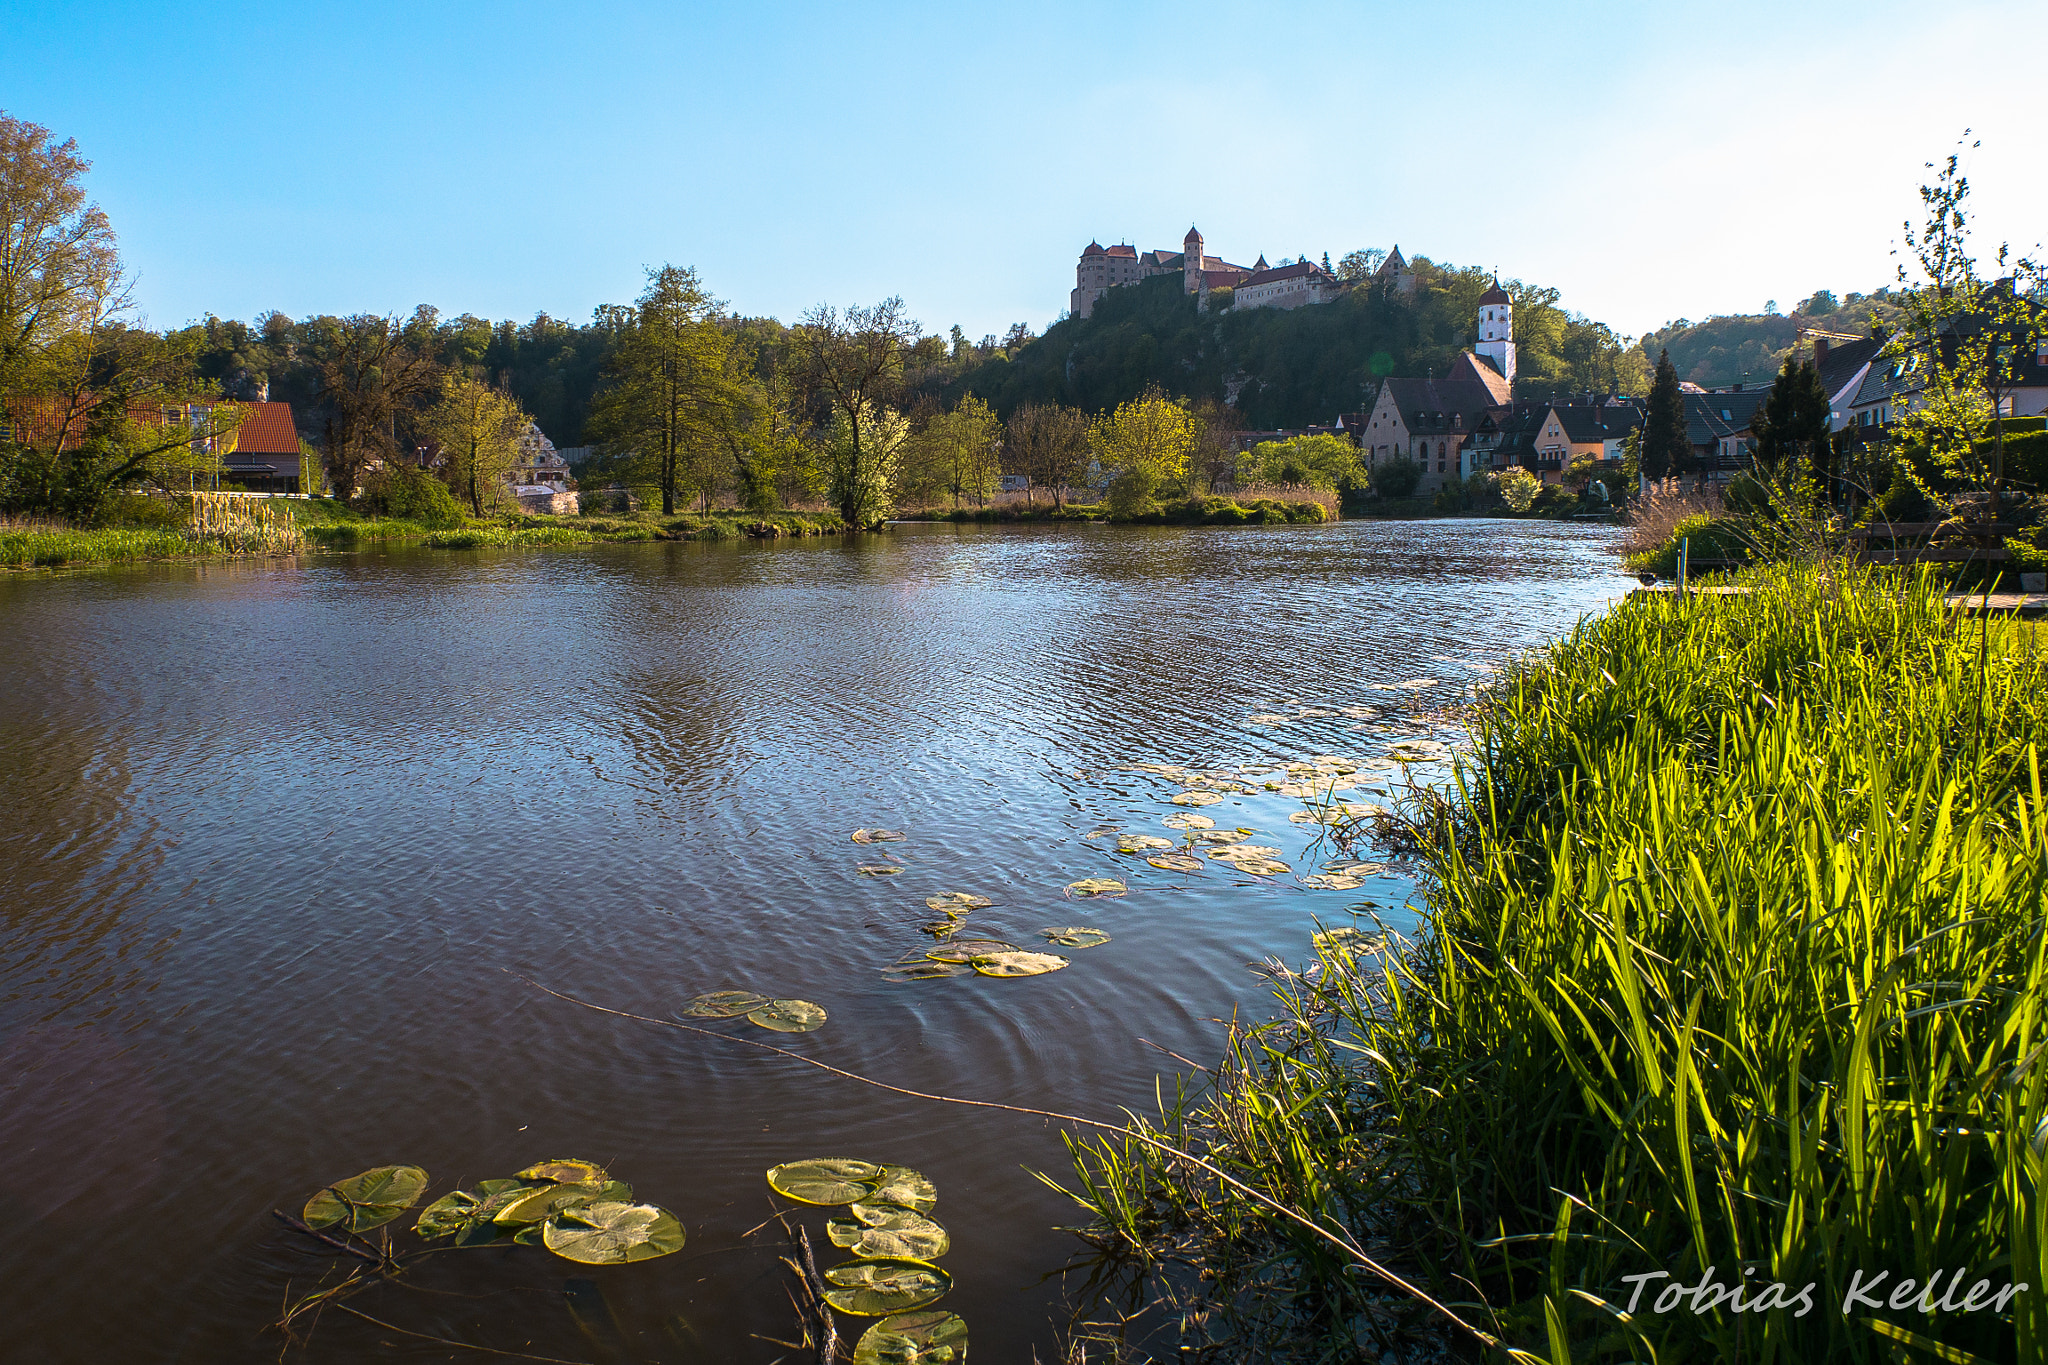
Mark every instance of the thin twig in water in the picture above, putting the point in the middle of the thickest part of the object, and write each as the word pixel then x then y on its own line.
pixel 828 1327
pixel 297 1225
pixel 449 1341
pixel 1338 1240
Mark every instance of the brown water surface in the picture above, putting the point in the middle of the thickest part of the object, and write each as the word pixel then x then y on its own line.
pixel 277 837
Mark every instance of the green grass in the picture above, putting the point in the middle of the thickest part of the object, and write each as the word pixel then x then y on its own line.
pixel 1217 511
pixel 38 548
pixel 1733 957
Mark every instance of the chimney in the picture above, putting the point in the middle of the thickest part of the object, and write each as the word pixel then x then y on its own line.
pixel 1820 349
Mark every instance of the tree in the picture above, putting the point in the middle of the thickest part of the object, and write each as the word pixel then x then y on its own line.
pixel 1397 478
pixel 1794 423
pixel 60 272
pixel 1049 443
pixel 676 388
pixel 1518 488
pixel 478 428
pixel 854 365
pixel 371 369
pixel 1324 461
pixel 1967 338
pixel 1153 434
pixel 1666 448
pixel 1358 266
pixel 963 446
pixel 1215 457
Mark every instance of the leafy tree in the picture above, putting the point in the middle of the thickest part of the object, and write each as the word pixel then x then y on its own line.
pixel 1050 444
pixel 60 271
pixel 1215 458
pixel 1396 478
pixel 1358 266
pixel 1154 434
pixel 1967 337
pixel 962 447
pixel 1665 448
pixel 854 366
pixel 1519 488
pixel 1321 461
pixel 372 369
pixel 478 428
pixel 677 385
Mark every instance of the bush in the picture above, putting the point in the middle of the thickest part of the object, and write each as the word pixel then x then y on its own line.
pixel 1130 493
pixel 142 512
pixel 411 494
pixel 1518 489
pixel 1712 537
pixel 1554 499
pixel 1396 478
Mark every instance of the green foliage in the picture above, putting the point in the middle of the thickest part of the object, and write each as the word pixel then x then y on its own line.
pixel 1734 956
pixel 1744 347
pixel 1322 461
pixel 1469 494
pixel 1706 537
pixel 1518 489
pixel 408 493
pixel 1130 493
pixel 1218 511
pixel 1396 478
pixel 1665 449
pixel 862 448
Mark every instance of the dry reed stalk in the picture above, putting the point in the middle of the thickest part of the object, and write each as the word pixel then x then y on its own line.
pixel 1651 518
pixel 1286 492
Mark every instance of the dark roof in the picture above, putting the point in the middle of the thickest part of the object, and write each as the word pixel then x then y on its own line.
pixel 1843 359
pixel 1430 404
pixel 1586 423
pixel 1495 295
pixel 1287 272
pixel 1165 260
pixel 1121 251
pixel 1480 370
pixel 1711 416
pixel 1092 249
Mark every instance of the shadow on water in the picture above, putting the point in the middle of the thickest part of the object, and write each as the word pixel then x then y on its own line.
pixel 277 833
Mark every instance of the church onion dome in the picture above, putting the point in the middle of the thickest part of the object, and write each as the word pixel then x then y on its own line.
pixel 1494 295
pixel 1094 249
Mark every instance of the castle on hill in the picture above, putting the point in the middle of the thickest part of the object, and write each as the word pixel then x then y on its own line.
pixel 1103 268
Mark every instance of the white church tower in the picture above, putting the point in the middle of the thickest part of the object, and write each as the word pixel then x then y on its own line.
pixel 1497 332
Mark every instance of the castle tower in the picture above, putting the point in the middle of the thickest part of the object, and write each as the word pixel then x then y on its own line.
pixel 1497 331
pixel 1191 261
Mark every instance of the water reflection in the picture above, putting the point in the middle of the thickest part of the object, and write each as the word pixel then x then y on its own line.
pixel 277 837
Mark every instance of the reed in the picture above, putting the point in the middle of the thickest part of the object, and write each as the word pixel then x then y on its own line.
pixel 245 525
pixel 1733 957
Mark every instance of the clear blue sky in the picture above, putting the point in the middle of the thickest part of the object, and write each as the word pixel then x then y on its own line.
pixel 1651 161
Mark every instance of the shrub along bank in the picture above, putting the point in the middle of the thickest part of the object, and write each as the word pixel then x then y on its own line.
pixel 1732 973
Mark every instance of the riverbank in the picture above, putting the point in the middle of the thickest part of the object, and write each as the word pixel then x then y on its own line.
pixel 1732 959
pixel 1197 511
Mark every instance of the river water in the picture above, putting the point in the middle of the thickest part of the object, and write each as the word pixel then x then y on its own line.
pixel 282 840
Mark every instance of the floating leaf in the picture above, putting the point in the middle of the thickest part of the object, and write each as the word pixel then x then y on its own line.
pixel 568 1170
pixel 1075 937
pixel 1097 886
pixel 1349 940
pixel 1099 833
pixel 878 869
pixel 788 1016
pixel 612 1234
pixel 1354 867
pixel 1379 765
pixel 873 1288
pixel 1231 852
pixel 904 1234
pixel 446 1215
pixel 1256 769
pixel 1332 881
pixel 905 1188
pixel 877 836
pixel 962 949
pixel 824 1180
pixel 1260 867
pixel 1017 963
pixel 1321 815
pixel 544 1202
pixel 1188 820
pixel 1176 862
pixel 1267 718
pixel 723 1004
pixel 923 969
pixel 923 1338
pixel 1139 843
pixel 368 1200
pixel 956 902
pixel 1223 836
pixel 1196 798
pixel 1335 763
pixel 942 929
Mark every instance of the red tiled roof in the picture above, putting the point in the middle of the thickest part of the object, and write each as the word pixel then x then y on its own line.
pixel 1094 249
pixel 1121 251
pixel 269 430
pixel 1495 295
pixel 1286 272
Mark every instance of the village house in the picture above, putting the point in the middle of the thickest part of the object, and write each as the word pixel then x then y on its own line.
pixel 263 454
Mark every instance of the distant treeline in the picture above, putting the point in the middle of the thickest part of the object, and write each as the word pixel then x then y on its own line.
pixel 1751 347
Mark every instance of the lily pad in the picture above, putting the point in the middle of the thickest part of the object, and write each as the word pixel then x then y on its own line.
pixel 878 869
pixel 1097 886
pixel 1321 815
pixel 1176 862
pixel 365 1201
pixel 1017 963
pixel 956 902
pixel 878 836
pixel 1139 843
pixel 723 1004
pixel 544 1202
pixel 446 1215
pixel 1231 852
pixel 929 1337
pixel 1224 836
pixel 825 1180
pixel 1354 867
pixel 905 1188
pixel 1350 940
pixel 1332 881
pixel 875 1287
pixel 1260 867
pixel 612 1233
pixel 1075 937
pixel 923 969
pixel 788 1016
pixel 1196 798
pixel 960 950
pixel 1188 820
pixel 568 1170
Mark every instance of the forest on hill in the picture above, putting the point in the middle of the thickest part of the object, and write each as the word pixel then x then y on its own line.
pixel 1748 348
